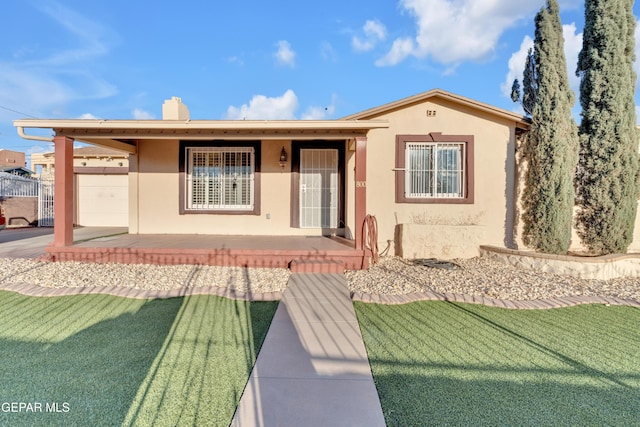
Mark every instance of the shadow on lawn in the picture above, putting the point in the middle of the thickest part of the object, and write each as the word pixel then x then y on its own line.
pixel 441 399
pixel 200 373
pixel 439 363
pixel 95 372
pixel 153 362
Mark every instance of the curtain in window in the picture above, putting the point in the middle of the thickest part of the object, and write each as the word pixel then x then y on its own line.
pixel 220 178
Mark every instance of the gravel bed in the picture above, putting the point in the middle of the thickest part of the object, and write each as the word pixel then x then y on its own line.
pixel 483 277
pixel 391 276
pixel 141 276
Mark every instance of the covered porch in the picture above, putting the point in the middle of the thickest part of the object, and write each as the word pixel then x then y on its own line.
pixel 299 253
pixel 180 211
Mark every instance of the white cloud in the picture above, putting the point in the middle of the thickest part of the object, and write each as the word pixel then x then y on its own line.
pixel 279 108
pixel 572 46
pixel 139 114
pixel 41 83
pixel 328 52
pixel 400 49
pixel 88 116
pixel 453 31
pixel 320 113
pixel 264 108
pixel 374 31
pixel 285 55
pixel 89 36
pixel 516 65
pixel 31 90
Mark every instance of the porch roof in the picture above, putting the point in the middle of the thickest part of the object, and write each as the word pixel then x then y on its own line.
pixel 122 134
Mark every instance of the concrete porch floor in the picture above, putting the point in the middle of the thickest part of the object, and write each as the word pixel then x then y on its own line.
pixel 300 253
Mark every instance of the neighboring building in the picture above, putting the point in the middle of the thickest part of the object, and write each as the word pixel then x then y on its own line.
pixel 100 184
pixel 13 162
pixel 437 170
pixel 18 194
pixel 83 157
pixel 12 159
pixel 16 170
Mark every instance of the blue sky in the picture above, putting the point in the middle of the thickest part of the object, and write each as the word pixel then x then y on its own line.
pixel 281 59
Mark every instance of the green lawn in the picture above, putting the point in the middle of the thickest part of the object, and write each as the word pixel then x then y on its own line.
pixel 438 363
pixel 102 360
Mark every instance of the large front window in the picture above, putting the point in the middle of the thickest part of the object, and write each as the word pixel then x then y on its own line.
pixel 220 178
pixel 434 170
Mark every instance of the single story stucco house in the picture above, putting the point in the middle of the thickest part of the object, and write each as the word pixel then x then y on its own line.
pixel 437 171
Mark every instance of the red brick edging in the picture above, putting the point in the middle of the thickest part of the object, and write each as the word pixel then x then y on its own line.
pixel 39 291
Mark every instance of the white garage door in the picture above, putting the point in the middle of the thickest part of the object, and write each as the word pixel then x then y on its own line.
pixel 102 200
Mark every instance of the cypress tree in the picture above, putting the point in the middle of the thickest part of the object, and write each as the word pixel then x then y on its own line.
pixel 607 178
pixel 551 146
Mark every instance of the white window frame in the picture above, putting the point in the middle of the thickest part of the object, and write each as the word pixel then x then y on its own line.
pixel 216 181
pixel 434 167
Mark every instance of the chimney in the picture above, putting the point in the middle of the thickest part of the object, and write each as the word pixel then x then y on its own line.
pixel 174 109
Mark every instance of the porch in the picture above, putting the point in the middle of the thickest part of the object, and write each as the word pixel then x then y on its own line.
pixel 311 254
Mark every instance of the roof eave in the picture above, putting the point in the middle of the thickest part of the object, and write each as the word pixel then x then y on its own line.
pixel 178 125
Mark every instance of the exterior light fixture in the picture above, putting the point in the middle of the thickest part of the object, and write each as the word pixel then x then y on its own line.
pixel 283 157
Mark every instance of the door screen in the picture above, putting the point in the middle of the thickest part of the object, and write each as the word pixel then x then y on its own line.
pixel 319 193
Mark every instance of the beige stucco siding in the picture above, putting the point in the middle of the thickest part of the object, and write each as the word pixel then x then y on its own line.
pixel 157 209
pixel 494 140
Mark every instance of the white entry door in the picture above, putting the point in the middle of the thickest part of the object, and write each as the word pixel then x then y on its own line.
pixel 319 193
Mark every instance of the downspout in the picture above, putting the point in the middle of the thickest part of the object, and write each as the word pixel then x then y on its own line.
pixel 32 137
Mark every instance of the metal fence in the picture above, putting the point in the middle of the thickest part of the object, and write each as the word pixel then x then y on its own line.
pixel 20 186
pixel 45 202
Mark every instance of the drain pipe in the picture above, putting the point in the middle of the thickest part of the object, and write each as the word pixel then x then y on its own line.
pixel 32 137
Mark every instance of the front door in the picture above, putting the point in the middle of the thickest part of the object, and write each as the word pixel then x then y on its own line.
pixel 319 188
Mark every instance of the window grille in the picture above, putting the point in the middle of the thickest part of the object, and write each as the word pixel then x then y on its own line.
pixel 220 178
pixel 435 170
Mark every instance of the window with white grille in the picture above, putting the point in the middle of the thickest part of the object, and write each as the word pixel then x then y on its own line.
pixel 220 178
pixel 434 170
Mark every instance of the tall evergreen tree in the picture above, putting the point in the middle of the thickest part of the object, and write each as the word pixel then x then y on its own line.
pixel 607 178
pixel 551 146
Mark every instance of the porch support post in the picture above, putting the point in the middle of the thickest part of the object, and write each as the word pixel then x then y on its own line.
pixel 361 189
pixel 63 192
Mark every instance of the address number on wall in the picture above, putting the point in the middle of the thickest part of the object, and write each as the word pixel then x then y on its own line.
pixel 361 184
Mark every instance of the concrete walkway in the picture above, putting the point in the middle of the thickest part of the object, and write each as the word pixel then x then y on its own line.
pixel 313 368
pixel 31 242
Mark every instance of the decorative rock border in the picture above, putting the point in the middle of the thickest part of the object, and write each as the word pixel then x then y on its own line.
pixel 598 267
pixel 492 302
pixel 124 292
